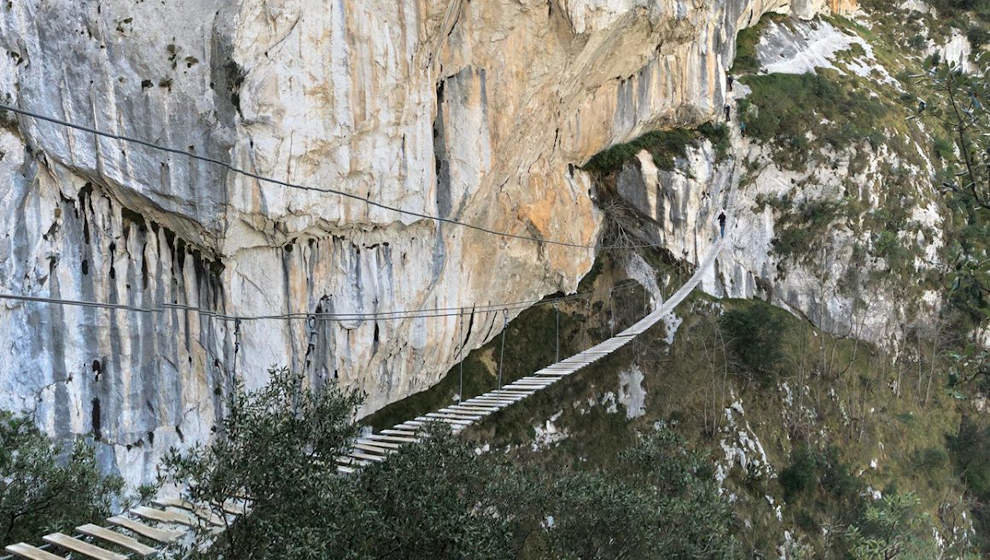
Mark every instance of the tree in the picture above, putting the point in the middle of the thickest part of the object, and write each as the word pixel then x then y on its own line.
pixel 755 334
pixel 661 501
pixel 891 528
pixel 970 450
pixel 965 181
pixel 45 487
pixel 438 498
pixel 274 450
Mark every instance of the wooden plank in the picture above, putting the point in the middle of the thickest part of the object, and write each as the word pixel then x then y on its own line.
pixel 199 511
pixel 366 456
pixel 344 460
pixel 153 533
pixel 427 419
pixel 401 439
pixel 25 550
pixel 446 412
pixel 401 433
pixel 373 448
pixel 82 547
pixel 181 518
pixel 345 470
pixel 476 408
pixel 235 508
pixel 116 538
pixel 378 443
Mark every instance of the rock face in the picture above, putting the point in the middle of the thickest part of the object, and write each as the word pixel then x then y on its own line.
pixel 842 287
pixel 472 111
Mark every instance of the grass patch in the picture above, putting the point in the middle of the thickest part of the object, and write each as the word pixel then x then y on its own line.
pixel 787 110
pixel 664 146
pixel 746 61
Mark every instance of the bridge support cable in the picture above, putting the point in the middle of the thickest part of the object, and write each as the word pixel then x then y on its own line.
pixel 501 354
pixel 366 199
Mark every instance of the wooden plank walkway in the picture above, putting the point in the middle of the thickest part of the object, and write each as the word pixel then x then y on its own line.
pixel 175 517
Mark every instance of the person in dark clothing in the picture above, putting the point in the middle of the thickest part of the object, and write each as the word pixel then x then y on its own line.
pixel 728 111
pixel 728 81
pixel 721 223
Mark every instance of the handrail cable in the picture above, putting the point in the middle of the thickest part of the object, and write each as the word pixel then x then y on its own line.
pixel 286 184
pixel 383 315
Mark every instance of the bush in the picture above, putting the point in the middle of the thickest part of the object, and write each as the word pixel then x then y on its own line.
pixel 755 333
pixel 45 487
pixel 789 106
pixel 943 149
pixel 802 474
pixel 437 499
pixel 931 459
pixel 978 36
pixel 661 502
pixel 891 527
pixel 970 451
pixel 746 61
pixel 718 135
pixel 663 145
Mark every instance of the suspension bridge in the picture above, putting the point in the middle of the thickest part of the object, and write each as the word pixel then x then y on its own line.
pixel 145 531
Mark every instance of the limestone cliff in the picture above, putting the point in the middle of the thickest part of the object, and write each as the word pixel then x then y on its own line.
pixel 849 236
pixel 474 111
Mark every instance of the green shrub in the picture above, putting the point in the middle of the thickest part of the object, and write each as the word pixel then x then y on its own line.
pixel 718 135
pixel 978 36
pixel 799 228
pixel 437 499
pixel 930 459
pixel 970 451
pixel 785 108
pixel 755 333
pixel 944 149
pixel 801 475
pixel 746 60
pixel 46 487
pixel 663 145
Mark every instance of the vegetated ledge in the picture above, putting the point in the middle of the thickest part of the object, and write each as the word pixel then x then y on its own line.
pixel 664 145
